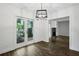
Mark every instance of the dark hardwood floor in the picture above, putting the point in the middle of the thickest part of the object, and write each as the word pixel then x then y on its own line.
pixel 60 47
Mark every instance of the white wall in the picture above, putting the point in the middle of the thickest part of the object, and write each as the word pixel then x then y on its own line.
pixel 73 13
pixel 8 19
pixel 53 24
pixel 7 27
pixel 63 28
pixel 41 30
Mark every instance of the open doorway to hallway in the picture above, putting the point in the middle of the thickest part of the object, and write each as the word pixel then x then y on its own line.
pixel 59 32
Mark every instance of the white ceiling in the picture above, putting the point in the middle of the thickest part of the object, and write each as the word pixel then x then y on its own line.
pixel 49 6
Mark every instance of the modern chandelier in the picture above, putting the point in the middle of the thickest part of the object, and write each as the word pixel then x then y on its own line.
pixel 42 13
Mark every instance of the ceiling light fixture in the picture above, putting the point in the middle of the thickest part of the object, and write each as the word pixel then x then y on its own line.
pixel 42 13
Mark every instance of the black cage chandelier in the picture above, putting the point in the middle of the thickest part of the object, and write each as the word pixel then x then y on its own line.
pixel 42 13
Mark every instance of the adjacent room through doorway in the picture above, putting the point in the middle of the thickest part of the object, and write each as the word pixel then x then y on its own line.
pixel 59 29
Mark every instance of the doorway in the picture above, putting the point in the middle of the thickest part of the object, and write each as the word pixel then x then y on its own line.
pixel 59 27
pixel 53 30
pixel 63 32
